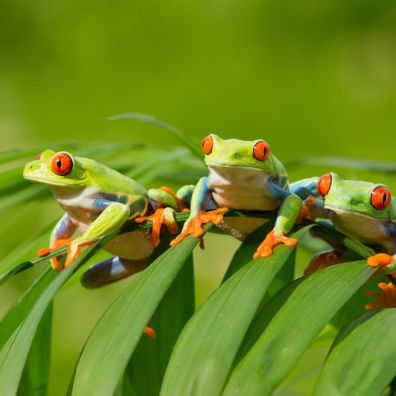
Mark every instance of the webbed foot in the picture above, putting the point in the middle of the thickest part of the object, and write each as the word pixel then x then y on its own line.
pixel 55 263
pixel 380 259
pixel 385 298
pixel 160 216
pixel 73 252
pixel 271 240
pixel 195 224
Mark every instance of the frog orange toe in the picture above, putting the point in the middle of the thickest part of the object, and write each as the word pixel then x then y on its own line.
pixel 159 217
pixel 56 244
pixel 74 252
pixel 156 219
pixel 271 240
pixel 195 225
pixel 386 298
pixel 150 332
pixel 380 259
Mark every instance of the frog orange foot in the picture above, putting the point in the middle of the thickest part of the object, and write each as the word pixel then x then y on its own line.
pixel 385 298
pixel 322 260
pixel 73 252
pixel 159 217
pixel 380 259
pixel 54 260
pixel 195 225
pixel 271 240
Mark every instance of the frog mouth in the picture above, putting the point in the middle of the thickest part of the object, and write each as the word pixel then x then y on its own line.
pixel 219 166
pixel 335 211
pixel 51 182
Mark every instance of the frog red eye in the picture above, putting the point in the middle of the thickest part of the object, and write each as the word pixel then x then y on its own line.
pixel 324 184
pixel 261 150
pixel 380 197
pixel 207 144
pixel 62 164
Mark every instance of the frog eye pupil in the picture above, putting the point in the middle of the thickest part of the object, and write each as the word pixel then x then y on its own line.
pixel 59 163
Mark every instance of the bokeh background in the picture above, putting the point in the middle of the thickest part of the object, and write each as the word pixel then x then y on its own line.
pixel 313 79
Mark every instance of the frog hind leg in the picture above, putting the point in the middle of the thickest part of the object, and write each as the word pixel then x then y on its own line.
pixel 111 270
pixel 285 220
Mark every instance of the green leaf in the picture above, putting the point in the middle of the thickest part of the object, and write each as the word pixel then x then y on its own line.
pixel 245 251
pixel 311 305
pixel 11 180
pixel 116 334
pixel 11 265
pixel 21 153
pixel 208 344
pixel 327 232
pixel 147 366
pixel 18 327
pixel 34 381
pixel 24 195
pixel 366 351
pixel 265 314
pixel 346 163
pixel 149 119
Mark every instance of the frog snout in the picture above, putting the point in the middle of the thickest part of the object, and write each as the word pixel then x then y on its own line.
pixel 30 167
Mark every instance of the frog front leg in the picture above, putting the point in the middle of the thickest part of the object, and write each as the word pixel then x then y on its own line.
pixel 287 216
pixel 112 217
pixel 201 200
pixel 61 234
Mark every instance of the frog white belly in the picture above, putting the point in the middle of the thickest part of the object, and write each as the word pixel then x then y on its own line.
pixel 238 188
pixel 364 228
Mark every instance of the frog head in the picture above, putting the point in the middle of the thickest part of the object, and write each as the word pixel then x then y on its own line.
pixel 57 169
pixel 254 155
pixel 370 199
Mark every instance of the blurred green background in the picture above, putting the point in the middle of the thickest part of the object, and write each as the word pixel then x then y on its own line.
pixel 310 78
pixel 314 79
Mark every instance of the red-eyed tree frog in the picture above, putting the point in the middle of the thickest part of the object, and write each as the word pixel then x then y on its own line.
pixel 242 175
pixel 362 210
pixel 98 200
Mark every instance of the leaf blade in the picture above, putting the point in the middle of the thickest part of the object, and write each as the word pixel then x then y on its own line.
pixel 372 339
pixel 149 119
pixel 208 344
pixel 97 361
pixel 276 351
pixel 20 323
pixel 147 366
